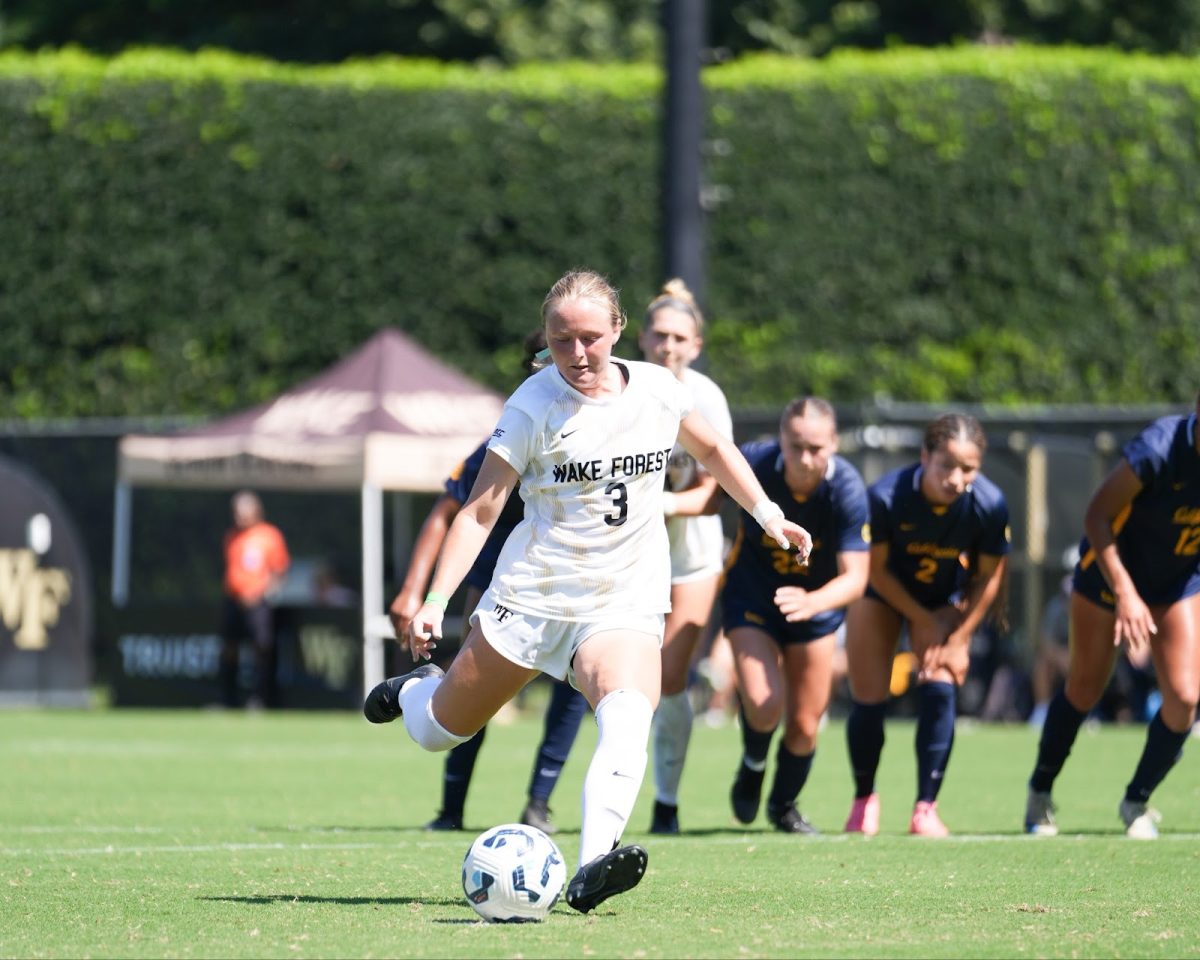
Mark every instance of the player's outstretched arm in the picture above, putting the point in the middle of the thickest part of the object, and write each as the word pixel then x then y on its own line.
pixel 725 462
pixel 496 481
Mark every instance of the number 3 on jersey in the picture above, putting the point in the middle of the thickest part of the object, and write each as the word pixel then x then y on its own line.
pixel 620 496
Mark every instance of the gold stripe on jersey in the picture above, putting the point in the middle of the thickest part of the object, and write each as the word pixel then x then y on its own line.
pixel 1117 525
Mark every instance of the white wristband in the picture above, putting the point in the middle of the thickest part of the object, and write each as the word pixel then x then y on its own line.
pixel 670 504
pixel 765 511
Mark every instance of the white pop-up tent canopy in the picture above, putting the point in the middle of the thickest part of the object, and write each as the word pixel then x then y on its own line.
pixel 387 417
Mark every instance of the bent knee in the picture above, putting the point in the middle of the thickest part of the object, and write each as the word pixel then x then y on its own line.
pixel 1178 713
pixel 764 714
pixel 1083 693
pixel 801 735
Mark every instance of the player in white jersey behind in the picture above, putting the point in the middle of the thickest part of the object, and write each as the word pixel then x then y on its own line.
pixel 583 583
pixel 672 336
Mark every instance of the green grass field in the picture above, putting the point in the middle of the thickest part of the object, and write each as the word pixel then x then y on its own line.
pixel 193 834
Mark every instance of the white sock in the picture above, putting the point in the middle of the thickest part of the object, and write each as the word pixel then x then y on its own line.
pixel 416 700
pixel 672 731
pixel 615 774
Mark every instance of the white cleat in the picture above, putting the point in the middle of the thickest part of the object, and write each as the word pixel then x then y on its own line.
pixel 1141 822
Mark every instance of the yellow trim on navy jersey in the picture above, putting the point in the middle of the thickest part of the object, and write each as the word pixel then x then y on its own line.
pixel 1118 523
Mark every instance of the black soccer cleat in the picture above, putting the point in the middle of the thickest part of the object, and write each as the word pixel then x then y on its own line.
pixel 383 703
pixel 445 821
pixel 787 819
pixel 615 872
pixel 746 793
pixel 665 819
pixel 537 814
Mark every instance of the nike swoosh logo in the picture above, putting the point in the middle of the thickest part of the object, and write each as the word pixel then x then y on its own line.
pixel 625 776
pixel 567 433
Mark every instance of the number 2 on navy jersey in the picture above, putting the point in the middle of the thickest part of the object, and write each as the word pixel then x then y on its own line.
pixel 620 496
pixel 927 571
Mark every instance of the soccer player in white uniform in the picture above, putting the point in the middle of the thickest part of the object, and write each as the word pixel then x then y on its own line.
pixel 672 336
pixel 583 583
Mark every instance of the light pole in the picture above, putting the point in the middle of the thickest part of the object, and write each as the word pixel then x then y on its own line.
pixel 683 127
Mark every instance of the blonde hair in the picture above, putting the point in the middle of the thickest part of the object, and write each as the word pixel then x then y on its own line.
pixel 675 295
pixel 585 285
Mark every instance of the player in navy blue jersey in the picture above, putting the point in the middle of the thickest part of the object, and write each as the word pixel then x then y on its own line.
pixel 781 615
pixel 1137 584
pixel 939 545
pixel 567 705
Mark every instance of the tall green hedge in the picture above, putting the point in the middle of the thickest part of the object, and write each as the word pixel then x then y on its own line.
pixel 988 225
pixel 192 234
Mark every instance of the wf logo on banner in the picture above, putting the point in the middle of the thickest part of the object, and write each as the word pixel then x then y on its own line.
pixel 31 597
pixel 45 596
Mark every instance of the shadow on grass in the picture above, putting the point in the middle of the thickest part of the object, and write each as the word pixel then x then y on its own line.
pixel 269 898
pixel 730 831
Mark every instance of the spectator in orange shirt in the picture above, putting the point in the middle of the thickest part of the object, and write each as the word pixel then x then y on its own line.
pixel 256 558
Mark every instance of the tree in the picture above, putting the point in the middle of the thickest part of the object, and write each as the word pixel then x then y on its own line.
pixel 512 31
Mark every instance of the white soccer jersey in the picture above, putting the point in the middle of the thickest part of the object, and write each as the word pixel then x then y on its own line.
pixel 593 541
pixel 697 543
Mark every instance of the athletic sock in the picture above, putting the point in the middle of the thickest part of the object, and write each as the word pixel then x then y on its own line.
pixel 672 731
pixel 864 741
pixel 416 700
pixel 616 771
pixel 1058 736
pixel 559 729
pixel 935 736
pixel 756 744
pixel 791 773
pixel 456 775
pixel 1162 751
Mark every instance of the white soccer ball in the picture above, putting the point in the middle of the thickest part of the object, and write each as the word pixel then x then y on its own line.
pixel 513 874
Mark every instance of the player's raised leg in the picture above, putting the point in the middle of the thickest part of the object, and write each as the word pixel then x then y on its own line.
pixel 441 711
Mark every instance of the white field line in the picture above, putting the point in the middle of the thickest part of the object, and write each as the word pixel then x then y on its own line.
pixel 113 849
pixel 79 828
pixel 745 841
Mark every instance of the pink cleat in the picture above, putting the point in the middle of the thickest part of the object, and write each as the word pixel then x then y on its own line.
pixel 864 816
pixel 925 821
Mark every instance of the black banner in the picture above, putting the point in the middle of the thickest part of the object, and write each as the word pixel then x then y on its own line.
pixel 45 596
pixel 169 656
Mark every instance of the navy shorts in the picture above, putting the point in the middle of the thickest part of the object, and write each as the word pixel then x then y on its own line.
pixel 1091 585
pixel 736 612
